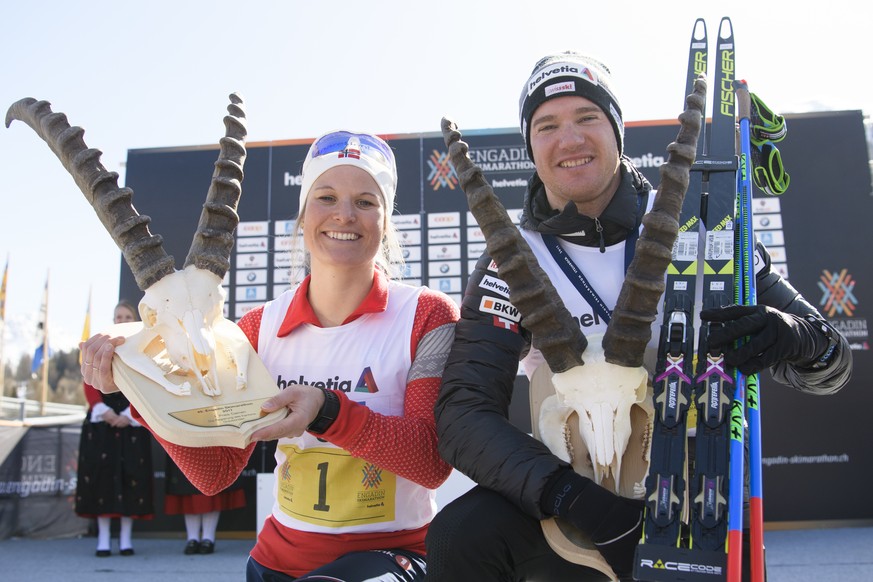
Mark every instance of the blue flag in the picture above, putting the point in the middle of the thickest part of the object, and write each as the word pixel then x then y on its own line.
pixel 42 333
pixel 37 360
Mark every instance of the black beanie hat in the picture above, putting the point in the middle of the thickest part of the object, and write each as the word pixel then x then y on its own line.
pixel 565 74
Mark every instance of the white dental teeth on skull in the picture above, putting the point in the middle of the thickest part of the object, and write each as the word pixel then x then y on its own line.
pixel 180 312
pixel 602 395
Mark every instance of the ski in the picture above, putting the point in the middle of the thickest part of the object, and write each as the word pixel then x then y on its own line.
pixel 669 552
pixel 715 381
pixel 672 384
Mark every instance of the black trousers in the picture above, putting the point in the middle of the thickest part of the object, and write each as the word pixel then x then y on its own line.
pixel 481 536
pixel 394 565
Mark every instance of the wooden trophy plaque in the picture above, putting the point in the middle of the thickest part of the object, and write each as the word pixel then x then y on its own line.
pixel 145 375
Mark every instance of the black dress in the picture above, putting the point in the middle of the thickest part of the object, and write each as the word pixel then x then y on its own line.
pixel 115 475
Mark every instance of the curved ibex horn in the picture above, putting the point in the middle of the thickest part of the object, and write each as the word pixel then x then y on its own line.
pixel 554 331
pixel 142 250
pixel 213 240
pixel 630 328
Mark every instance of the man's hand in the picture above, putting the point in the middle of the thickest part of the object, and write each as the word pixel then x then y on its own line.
pixel 773 337
pixel 614 523
pixel 617 537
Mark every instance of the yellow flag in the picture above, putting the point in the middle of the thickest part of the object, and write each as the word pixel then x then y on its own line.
pixel 86 329
pixel 3 292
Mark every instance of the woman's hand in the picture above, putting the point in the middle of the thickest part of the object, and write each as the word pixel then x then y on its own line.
pixel 303 403
pixel 114 419
pixel 97 353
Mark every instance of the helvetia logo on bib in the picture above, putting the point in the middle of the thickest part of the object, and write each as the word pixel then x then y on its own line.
pixel 367 383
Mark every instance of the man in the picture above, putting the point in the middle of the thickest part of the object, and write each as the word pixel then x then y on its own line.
pixel 589 196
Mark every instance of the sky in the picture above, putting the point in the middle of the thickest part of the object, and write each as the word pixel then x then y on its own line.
pixel 155 74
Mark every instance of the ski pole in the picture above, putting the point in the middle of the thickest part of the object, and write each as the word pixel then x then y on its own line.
pixel 753 399
pixel 735 487
pixel 738 413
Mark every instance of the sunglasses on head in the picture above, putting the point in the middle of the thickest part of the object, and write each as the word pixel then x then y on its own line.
pixel 353 145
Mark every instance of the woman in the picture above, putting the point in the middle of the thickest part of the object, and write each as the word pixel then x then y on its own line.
pixel 201 512
pixel 115 475
pixel 361 356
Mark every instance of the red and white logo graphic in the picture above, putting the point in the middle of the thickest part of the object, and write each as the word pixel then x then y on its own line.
pixel 565 87
pixel 403 562
pixel 505 323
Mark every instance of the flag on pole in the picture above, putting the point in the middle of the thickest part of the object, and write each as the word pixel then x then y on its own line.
pixel 42 333
pixel 3 327
pixel 3 292
pixel 86 329
pixel 37 360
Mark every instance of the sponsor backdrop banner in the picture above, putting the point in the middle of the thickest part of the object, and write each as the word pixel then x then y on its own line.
pixel 38 482
pixel 816 461
pixel 38 476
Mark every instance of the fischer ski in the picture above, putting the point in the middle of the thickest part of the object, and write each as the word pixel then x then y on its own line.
pixel 666 493
pixel 715 381
pixel 670 551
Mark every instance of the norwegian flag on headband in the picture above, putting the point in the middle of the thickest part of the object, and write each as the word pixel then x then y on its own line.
pixel 352 149
pixel 350 152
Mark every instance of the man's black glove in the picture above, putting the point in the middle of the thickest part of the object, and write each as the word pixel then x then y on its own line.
pixel 614 523
pixel 773 337
pixel 618 535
